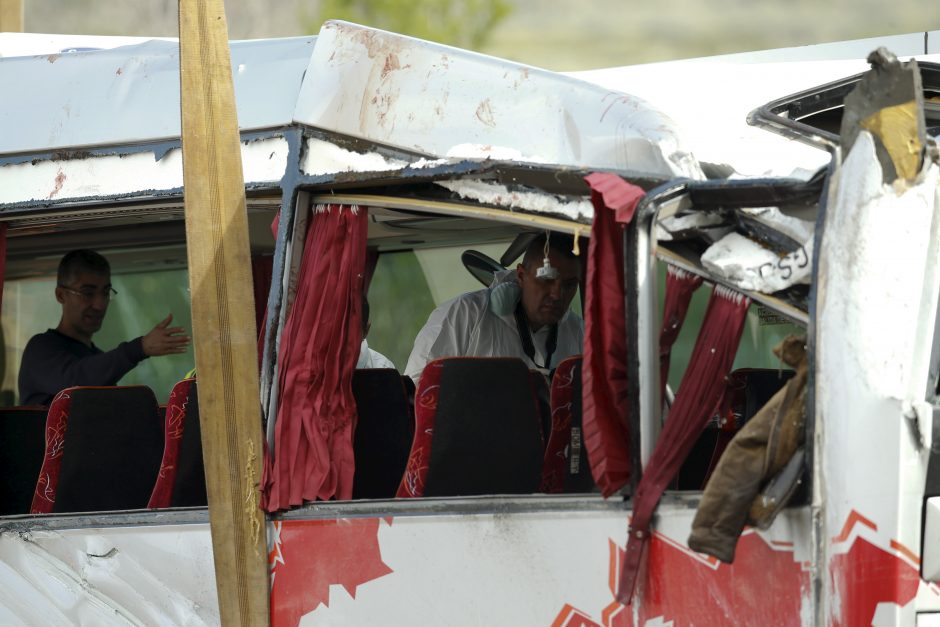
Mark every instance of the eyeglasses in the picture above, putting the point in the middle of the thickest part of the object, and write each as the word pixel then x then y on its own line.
pixel 88 295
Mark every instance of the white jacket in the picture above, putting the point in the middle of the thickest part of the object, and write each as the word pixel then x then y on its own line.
pixel 467 327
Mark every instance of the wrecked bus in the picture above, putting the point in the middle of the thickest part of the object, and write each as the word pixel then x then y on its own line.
pixel 576 510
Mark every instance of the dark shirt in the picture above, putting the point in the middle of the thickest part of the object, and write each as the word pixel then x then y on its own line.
pixel 53 361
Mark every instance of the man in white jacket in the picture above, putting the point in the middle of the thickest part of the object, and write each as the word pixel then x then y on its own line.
pixel 523 314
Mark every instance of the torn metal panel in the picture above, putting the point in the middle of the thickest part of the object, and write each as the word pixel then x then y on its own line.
pixel 142 172
pixel 877 282
pixel 754 236
pixel 402 92
pixel 108 576
pixel 130 94
pixel 513 186
pixel 888 103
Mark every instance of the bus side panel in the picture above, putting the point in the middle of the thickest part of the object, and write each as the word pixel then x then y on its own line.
pixel 558 568
pixel 876 314
pixel 150 575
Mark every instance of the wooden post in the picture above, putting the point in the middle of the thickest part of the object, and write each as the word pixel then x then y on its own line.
pixel 11 16
pixel 224 332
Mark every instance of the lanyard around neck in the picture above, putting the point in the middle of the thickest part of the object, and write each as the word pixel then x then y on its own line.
pixel 525 335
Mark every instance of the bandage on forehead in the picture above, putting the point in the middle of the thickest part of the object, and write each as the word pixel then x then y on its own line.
pixel 547 271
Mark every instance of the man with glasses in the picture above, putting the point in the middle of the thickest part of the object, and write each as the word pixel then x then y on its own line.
pixel 66 356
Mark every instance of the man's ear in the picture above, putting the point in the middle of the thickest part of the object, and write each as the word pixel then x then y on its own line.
pixel 520 272
pixel 59 296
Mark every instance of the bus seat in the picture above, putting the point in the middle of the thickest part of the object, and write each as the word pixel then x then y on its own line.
pixel 384 430
pixel 477 430
pixel 565 467
pixel 542 392
pixel 22 445
pixel 103 450
pixel 181 481
pixel 747 390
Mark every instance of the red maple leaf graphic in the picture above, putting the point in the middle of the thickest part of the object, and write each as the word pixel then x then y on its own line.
pixel 315 554
pixel 687 589
pixel 866 576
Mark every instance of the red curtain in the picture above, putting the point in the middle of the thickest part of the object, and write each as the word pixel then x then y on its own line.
pixel 696 401
pixel 604 374
pixel 313 454
pixel 680 286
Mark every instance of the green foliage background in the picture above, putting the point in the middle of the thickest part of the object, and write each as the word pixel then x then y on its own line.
pixel 547 33
pixel 466 24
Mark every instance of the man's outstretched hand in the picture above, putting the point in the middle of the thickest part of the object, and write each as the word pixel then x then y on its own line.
pixel 165 340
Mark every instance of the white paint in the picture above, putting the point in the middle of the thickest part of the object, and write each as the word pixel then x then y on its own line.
pixel 129 94
pixel 263 161
pixel 883 245
pixel 877 295
pixel 501 196
pixel 516 569
pixel 34 44
pixel 422 96
pixel 498 153
pixel 159 575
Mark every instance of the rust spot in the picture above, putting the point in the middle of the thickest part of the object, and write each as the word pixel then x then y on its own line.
pixel 52 58
pixel 59 182
pixel 485 113
pixel 119 72
pixel 370 41
pixel 391 64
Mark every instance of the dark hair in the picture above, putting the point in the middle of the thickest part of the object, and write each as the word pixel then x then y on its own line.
pixel 365 314
pixel 561 243
pixel 78 261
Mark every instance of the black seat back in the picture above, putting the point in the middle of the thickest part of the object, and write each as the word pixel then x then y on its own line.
pixel 540 387
pixel 384 431
pixel 487 434
pixel 22 445
pixel 189 485
pixel 748 390
pixel 112 450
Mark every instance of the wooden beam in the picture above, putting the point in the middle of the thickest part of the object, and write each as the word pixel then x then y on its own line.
pixel 11 16
pixel 224 332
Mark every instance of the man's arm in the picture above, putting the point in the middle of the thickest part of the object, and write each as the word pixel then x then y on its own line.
pixel 165 340
pixel 49 366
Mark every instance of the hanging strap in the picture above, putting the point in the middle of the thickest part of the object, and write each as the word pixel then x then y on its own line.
pixel 525 335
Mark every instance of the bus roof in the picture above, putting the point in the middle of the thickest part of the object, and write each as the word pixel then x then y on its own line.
pixel 710 98
pixel 424 98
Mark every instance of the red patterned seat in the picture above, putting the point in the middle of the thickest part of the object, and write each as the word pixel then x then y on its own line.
pixel 22 444
pixel 565 467
pixel 477 430
pixel 103 449
pixel 181 481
